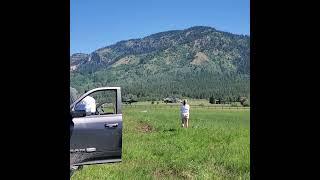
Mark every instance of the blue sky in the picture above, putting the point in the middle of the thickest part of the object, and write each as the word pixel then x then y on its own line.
pixel 98 23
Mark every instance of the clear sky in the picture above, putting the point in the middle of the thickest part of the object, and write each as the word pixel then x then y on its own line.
pixel 98 23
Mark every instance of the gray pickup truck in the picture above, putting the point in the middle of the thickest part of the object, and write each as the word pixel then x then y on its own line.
pixel 96 138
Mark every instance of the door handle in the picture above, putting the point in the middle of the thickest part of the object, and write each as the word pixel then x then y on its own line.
pixel 111 125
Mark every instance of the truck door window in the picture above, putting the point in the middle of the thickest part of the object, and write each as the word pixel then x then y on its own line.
pixel 105 102
pixel 99 103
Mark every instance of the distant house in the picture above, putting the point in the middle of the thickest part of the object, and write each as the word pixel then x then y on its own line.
pixel 167 100
pixel 219 101
pixel 171 100
pixel 129 101
pixel 242 100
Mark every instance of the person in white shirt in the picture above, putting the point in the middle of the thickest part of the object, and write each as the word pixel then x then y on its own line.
pixel 88 104
pixel 185 113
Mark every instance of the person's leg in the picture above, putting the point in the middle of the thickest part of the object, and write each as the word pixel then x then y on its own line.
pixel 182 122
pixel 187 122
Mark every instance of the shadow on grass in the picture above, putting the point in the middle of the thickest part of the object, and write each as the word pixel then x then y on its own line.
pixel 170 130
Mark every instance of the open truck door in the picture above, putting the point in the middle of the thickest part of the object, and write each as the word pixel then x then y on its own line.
pixel 97 137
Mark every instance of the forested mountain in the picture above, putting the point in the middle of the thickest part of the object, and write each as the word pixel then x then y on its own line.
pixel 197 62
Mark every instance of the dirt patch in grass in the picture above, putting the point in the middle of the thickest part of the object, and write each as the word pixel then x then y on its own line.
pixel 144 127
pixel 172 174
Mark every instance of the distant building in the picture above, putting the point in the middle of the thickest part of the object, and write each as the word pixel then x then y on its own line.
pixel 171 100
pixel 129 101
pixel 242 100
pixel 219 101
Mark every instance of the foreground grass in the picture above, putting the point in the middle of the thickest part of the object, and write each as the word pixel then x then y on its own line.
pixel 216 146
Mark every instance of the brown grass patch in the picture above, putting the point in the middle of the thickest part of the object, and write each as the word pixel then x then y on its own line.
pixel 145 128
pixel 172 174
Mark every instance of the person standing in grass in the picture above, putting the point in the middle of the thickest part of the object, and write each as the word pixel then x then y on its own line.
pixel 185 113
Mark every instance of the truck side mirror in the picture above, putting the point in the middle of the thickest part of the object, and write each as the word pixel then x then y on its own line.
pixel 78 113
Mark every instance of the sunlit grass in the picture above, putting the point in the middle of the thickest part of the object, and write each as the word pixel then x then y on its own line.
pixel 216 146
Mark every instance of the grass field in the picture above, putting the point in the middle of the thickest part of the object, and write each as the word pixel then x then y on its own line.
pixel 216 146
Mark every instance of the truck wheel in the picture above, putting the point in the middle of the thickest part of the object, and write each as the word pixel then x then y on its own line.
pixel 74 169
pixel 71 172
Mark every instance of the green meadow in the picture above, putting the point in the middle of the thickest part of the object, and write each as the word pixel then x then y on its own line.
pixel 215 146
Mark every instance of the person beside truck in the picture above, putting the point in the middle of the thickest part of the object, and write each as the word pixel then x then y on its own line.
pixel 87 104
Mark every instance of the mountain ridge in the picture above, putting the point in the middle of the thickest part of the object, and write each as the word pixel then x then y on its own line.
pixel 183 53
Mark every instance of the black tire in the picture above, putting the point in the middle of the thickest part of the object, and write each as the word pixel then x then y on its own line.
pixel 71 172
pixel 74 169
